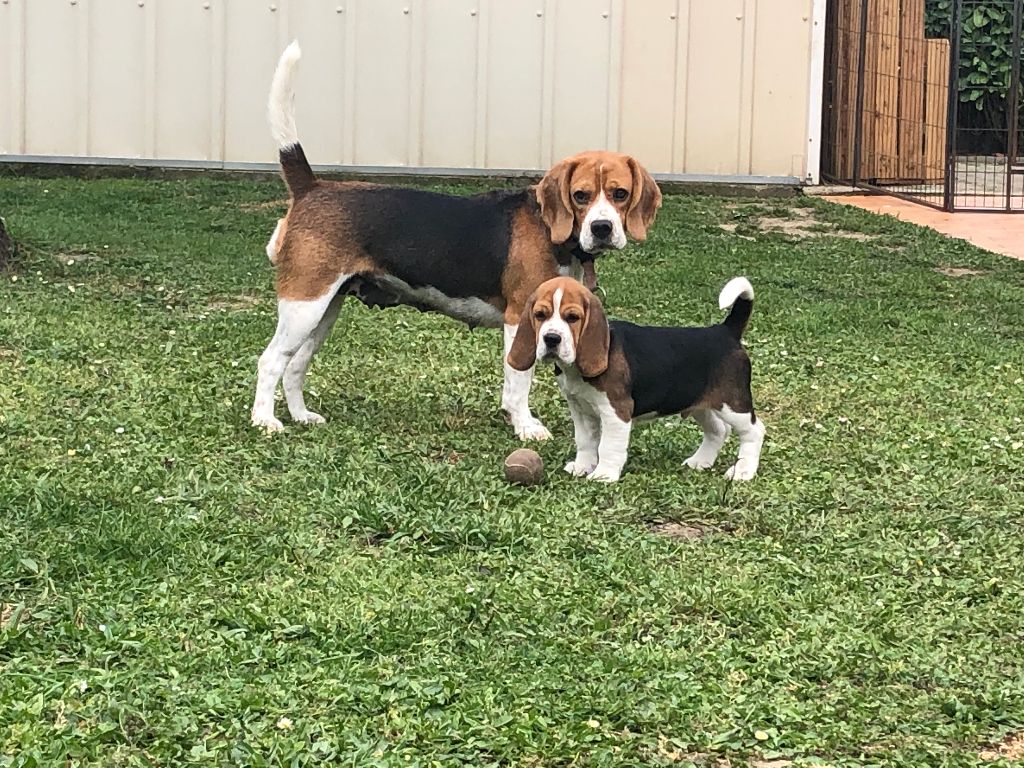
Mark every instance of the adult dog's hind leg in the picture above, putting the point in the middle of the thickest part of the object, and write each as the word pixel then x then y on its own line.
pixel 295 373
pixel 297 322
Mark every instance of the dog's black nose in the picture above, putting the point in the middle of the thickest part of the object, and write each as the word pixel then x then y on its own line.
pixel 552 340
pixel 601 229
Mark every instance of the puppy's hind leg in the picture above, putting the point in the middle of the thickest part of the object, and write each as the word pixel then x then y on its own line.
pixel 750 431
pixel 716 432
pixel 297 322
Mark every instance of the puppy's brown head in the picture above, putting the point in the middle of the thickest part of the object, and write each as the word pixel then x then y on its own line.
pixel 599 197
pixel 563 323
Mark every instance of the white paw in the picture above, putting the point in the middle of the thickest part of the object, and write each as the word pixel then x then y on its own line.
pixel 741 470
pixel 268 424
pixel 532 430
pixel 699 462
pixel 605 475
pixel 308 418
pixel 579 468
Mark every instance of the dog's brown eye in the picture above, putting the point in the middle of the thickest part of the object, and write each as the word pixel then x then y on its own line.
pixel 620 194
pixel 580 196
pixel 571 318
pixel 540 314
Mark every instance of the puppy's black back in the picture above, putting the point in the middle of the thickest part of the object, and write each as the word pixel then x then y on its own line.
pixel 672 369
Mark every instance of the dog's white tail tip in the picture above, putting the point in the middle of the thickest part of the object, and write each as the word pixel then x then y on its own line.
pixel 734 289
pixel 281 102
pixel 292 53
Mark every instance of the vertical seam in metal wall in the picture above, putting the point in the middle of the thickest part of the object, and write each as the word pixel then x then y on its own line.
pixel 416 45
pixel 82 91
pixel 18 74
pixel 815 91
pixel 547 114
pixel 149 53
pixel 675 89
pixel 679 134
pixel 339 82
pixel 748 55
pixel 480 104
pixel 616 40
pixel 349 78
pixel 218 79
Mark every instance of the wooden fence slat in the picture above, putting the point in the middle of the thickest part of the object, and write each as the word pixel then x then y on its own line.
pixel 911 91
pixel 936 94
pixel 848 41
pixel 883 163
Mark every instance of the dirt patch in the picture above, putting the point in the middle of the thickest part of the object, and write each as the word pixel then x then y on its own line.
pixel 958 271
pixel 7 611
pixel 798 223
pixel 234 303
pixel 674 530
pixel 1011 748
pixel 70 258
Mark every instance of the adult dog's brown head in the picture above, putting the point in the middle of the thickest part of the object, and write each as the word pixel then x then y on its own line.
pixel 600 197
pixel 563 323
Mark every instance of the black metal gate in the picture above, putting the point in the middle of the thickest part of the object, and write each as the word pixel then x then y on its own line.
pixel 922 101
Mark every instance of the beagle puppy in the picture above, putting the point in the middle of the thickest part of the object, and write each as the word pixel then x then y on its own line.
pixel 476 259
pixel 614 374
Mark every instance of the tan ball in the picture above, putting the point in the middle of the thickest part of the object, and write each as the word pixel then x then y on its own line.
pixel 524 467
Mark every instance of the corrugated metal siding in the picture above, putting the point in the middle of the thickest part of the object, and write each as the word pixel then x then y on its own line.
pixel 688 86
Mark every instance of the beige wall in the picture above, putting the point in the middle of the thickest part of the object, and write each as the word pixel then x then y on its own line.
pixel 689 86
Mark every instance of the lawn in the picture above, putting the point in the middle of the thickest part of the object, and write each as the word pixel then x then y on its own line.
pixel 177 588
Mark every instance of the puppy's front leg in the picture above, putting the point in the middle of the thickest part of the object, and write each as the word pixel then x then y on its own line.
pixel 588 432
pixel 613 447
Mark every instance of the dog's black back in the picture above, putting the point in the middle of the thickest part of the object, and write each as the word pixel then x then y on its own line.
pixel 458 245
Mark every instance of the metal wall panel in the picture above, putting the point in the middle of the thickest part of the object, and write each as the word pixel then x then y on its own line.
pixel 689 86
pixel 514 89
pixel 56 70
pixel 116 40
pixel 187 81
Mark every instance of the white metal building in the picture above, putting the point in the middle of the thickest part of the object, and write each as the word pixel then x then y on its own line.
pixel 696 89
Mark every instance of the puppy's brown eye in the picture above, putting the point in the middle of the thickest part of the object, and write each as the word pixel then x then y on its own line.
pixel 580 196
pixel 619 195
pixel 540 314
pixel 571 318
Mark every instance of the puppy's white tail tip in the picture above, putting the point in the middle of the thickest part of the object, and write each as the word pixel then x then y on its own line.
pixel 738 287
pixel 281 104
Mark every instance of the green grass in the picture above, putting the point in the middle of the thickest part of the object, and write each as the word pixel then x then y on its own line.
pixel 179 589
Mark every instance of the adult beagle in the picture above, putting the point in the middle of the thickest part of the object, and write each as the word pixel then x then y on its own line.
pixel 476 259
pixel 616 373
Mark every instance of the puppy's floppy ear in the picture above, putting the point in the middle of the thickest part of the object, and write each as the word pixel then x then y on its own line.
pixel 592 347
pixel 644 202
pixel 523 355
pixel 555 207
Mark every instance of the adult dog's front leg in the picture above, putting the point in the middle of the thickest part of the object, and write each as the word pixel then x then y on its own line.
pixel 515 396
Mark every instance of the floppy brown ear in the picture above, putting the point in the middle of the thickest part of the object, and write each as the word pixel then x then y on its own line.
pixel 644 204
pixel 555 206
pixel 523 355
pixel 592 348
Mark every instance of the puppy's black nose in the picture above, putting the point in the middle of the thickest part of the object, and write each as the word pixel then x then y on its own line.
pixel 552 340
pixel 601 229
